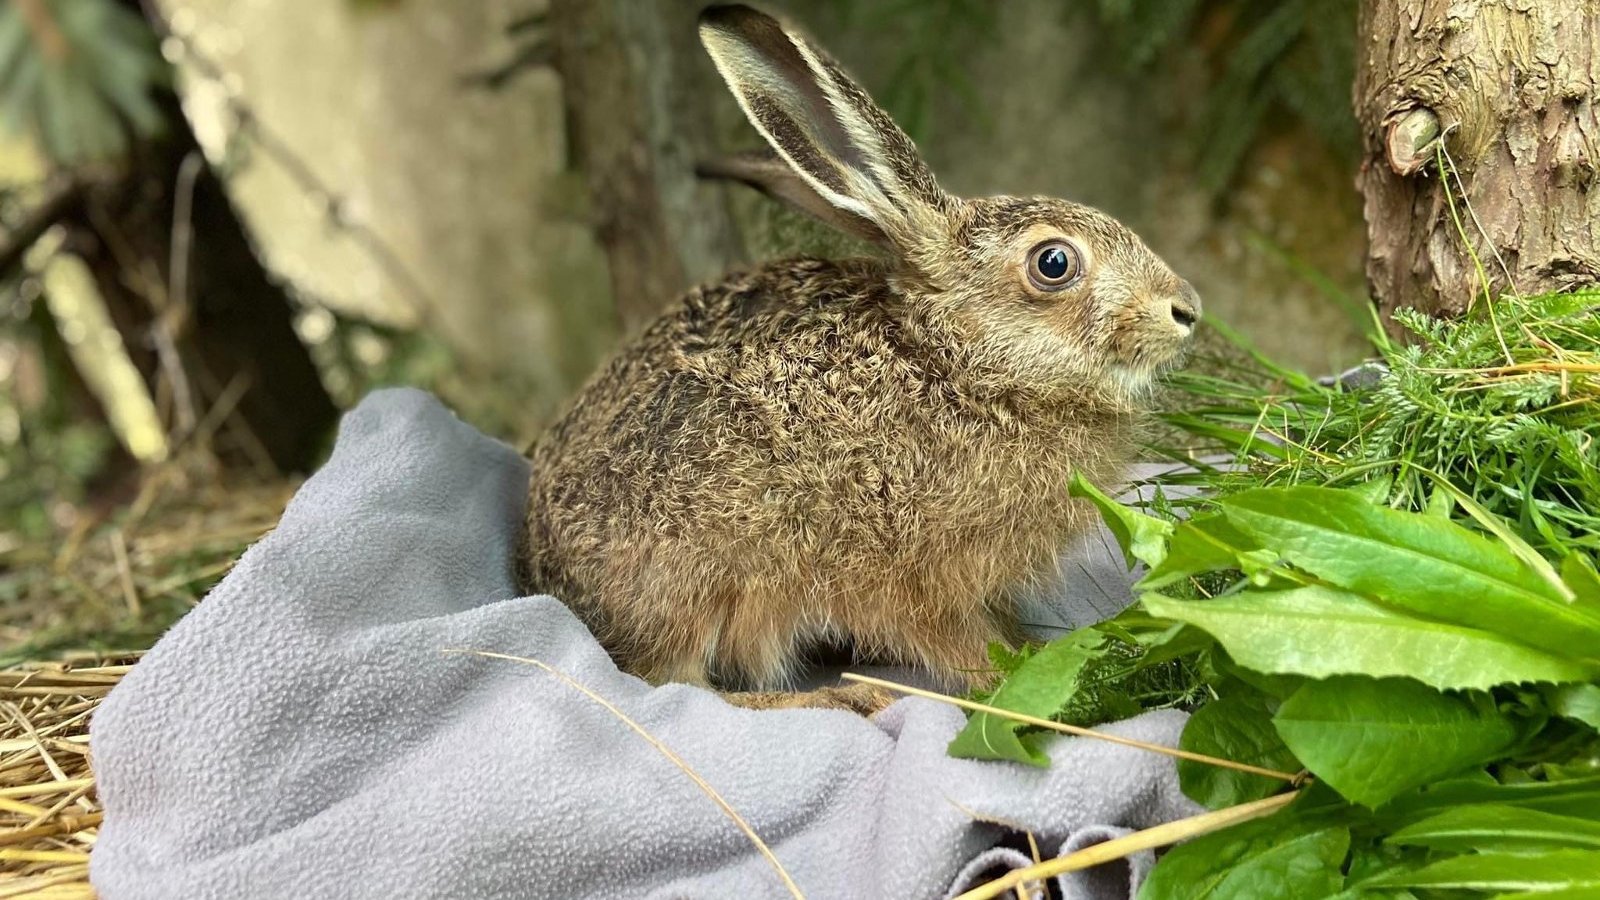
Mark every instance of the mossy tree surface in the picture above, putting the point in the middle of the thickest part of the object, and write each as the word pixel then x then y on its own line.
pixel 1511 87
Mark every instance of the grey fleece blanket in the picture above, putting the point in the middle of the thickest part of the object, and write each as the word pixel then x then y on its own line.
pixel 304 733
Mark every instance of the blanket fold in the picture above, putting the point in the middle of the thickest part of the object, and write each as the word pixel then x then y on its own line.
pixel 304 732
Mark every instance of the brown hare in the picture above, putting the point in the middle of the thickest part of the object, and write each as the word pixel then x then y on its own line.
pixel 868 451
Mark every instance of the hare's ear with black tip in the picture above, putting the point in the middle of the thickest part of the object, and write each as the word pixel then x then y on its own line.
pixel 845 160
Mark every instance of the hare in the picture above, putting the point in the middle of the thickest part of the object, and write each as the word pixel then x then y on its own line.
pixel 866 451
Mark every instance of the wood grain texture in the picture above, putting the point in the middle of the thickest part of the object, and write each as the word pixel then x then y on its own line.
pixel 1513 85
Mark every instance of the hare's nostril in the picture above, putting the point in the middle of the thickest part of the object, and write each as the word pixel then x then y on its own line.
pixel 1184 314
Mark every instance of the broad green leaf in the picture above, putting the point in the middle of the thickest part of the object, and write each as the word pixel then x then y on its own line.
pixel 1142 537
pixel 1578 573
pixel 1415 561
pixel 1486 827
pixel 1370 859
pixel 1203 544
pixel 1237 727
pixel 1375 491
pixel 1276 686
pixel 1582 766
pixel 1319 632
pixel 1276 858
pixel 1371 739
pixel 1580 702
pixel 1578 797
pixel 1160 639
pixel 1041 686
pixel 1177 641
pixel 1495 526
pixel 1553 870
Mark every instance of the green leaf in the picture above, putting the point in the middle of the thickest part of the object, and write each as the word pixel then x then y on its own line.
pixel 1180 641
pixel 1043 684
pixel 1375 491
pixel 1441 503
pixel 1237 727
pixel 1142 537
pixel 1487 827
pixel 1241 440
pixel 1203 544
pixel 1554 870
pixel 1575 797
pixel 1495 526
pixel 1371 739
pixel 1580 702
pixel 1318 632
pixel 1159 639
pixel 1369 859
pixel 1272 858
pixel 1276 686
pixel 1415 561
pixel 1578 573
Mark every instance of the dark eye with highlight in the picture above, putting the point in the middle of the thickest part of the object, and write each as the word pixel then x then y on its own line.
pixel 1054 265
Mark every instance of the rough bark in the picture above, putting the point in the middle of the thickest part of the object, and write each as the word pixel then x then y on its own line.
pixel 634 88
pixel 1511 86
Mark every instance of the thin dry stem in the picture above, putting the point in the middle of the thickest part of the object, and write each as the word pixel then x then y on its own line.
pixel 119 551
pixel 1117 848
pixel 663 749
pixel 1072 729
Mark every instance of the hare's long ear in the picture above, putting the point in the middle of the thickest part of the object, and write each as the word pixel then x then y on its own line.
pixel 865 173
pixel 769 173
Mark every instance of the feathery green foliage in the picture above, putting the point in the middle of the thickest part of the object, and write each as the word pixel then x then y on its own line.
pixel 1505 408
pixel 79 77
pixel 931 61
pixel 1287 56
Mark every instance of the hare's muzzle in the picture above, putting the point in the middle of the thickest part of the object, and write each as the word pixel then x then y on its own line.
pixel 1186 307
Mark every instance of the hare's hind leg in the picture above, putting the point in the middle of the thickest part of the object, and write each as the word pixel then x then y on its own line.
pixel 939 629
pixel 663 625
pixel 758 643
pixel 862 699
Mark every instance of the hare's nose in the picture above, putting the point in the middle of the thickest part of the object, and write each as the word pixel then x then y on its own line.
pixel 1186 306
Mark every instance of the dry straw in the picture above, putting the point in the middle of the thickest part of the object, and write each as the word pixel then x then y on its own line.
pixel 49 813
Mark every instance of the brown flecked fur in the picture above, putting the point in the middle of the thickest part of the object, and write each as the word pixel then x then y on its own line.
pixel 872 451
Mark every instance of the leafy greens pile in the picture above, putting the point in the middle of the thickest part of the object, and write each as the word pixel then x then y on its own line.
pixel 1391 589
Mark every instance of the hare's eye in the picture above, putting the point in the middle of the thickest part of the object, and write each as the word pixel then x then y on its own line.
pixel 1053 265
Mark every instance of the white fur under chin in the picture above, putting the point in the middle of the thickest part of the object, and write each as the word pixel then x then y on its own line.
pixel 1135 385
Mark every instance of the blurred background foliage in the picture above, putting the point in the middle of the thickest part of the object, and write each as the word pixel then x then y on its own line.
pixel 427 197
pixel 78 78
pixel 1266 58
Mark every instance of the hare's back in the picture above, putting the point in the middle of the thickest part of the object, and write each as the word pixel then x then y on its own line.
pixel 790 384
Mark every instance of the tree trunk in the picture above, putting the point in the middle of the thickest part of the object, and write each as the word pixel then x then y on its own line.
pixel 1511 86
pixel 635 84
